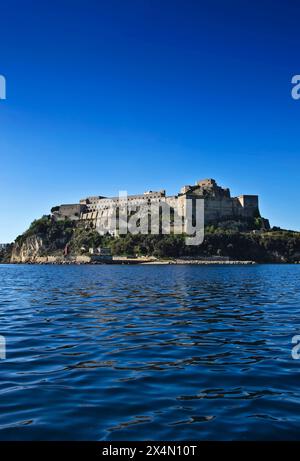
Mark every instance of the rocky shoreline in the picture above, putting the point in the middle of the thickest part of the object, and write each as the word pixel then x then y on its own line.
pixel 85 260
pixel 62 242
pixel 201 262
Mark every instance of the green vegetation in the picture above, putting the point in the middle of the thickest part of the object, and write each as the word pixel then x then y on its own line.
pixel 228 238
pixel 282 246
pixel 5 254
pixel 55 234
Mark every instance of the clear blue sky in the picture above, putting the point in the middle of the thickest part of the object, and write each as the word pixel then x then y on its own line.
pixel 133 95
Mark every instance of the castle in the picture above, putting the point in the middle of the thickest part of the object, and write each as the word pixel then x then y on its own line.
pixel 97 211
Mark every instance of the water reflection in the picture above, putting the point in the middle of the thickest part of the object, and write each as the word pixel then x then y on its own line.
pixel 149 352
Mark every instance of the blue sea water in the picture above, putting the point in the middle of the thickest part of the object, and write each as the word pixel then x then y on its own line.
pixel 149 352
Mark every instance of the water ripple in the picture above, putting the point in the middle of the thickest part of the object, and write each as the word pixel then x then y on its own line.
pixel 149 352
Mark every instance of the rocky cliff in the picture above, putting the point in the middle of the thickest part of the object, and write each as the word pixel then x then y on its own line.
pixel 28 250
pixel 50 241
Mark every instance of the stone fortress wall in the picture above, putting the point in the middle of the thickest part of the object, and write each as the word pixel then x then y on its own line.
pixel 218 204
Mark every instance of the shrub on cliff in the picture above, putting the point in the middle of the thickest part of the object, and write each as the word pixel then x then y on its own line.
pixel 261 247
pixel 273 246
pixel 55 234
pixel 84 238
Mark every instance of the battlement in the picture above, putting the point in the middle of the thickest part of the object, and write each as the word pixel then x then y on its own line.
pixel 205 188
pixel 71 211
pixel 218 203
pixel 250 201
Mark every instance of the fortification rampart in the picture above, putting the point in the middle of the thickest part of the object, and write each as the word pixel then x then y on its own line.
pixel 218 204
